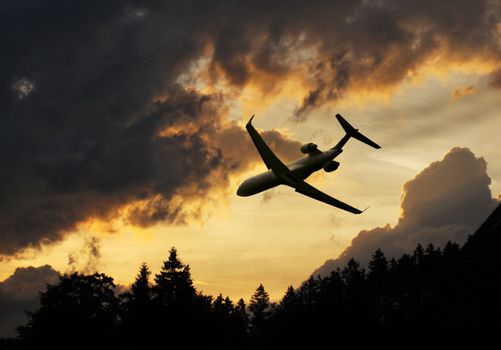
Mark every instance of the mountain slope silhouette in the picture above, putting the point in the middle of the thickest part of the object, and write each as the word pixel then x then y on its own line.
pixel 480 266
pixel 484 246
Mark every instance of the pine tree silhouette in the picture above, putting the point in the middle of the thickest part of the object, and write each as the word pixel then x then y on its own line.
pixel 173 284
pixel 141 289
pixel 418 255
pixel 136 311
pixel 259 307
pixel 176 304
pixel 289 300
pixel 378 267
pixel 241 315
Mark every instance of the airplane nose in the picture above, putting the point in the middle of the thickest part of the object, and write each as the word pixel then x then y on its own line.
pixel 242 190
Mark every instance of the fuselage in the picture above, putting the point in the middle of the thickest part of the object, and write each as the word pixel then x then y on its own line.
pixel 300 169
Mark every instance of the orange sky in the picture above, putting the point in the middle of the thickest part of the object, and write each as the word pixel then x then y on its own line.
pixel 278 239
pixel 122 134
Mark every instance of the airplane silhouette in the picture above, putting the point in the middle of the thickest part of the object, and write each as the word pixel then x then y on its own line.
pixel 294 174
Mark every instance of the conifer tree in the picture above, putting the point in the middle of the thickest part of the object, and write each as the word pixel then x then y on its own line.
pixel 432 253
pixel 308 291
pixel 290 305
pixel 222 307
pixel 178 310
pixel 136 312
pixel 241 312
pixel 140 295
pixel 141 289
pixel 378 267
pixel 451 251
pixel 418 255
pixel 259 306
pixel 353 274
pixel 393 264
pixel 173 284
pixel 289 299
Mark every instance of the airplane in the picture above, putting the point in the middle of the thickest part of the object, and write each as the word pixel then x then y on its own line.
pixel 294 174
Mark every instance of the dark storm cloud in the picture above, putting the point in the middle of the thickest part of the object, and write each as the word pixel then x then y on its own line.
pixel 446 201
pixel 381 42
pixel 88 88
pixel 80 144
pixel 368 44
pixel 19 293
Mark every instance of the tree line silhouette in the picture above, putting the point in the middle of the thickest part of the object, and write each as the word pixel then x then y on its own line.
pixel 447 298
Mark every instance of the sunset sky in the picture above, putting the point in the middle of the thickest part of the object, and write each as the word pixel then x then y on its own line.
pixel 122 132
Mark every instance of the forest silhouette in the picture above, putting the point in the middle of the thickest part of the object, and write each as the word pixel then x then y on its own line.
pixel 446 297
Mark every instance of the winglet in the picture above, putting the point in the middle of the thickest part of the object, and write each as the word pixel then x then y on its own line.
pixel 269 158
pixel 250 120
pixel 365 209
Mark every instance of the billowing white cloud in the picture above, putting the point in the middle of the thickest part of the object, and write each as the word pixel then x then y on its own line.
pixel 446 201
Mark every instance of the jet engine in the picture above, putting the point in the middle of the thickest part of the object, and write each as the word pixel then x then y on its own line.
pixel 308 148
pixel 331 166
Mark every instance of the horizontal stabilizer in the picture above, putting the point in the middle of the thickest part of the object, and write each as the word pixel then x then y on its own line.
pixel 352 132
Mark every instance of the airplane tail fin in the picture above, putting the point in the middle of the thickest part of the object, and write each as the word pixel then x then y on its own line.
pixel 352 132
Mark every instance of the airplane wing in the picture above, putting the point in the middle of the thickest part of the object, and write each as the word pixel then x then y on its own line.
pixel 269 158
pixel 310 191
